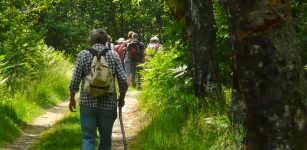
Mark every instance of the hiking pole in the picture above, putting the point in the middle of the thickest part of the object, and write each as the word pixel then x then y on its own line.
pixel 122 127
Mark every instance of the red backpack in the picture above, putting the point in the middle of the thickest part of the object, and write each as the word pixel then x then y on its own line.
pixel 134 51
pixel 120 51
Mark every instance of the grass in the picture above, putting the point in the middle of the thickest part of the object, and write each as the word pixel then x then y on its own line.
pixel 175 118
pixel 9 130
pixel 23 106
pixel 65 135
pixel 192 125
pixel 195 125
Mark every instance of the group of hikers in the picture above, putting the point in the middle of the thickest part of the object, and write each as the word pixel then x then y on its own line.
pixel 132 53
pixel 96 69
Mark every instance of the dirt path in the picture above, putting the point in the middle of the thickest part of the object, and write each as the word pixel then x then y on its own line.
pixel 32 132
pixel 132 121
pixel 31 135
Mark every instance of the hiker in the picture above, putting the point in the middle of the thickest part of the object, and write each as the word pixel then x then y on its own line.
pixel 128 40
pixel 109 42
pixel 153 47
pixel 135 54
pixel 97 111
pixel 119 51
pixel 126 60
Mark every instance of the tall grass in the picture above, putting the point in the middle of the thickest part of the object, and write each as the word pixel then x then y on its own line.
pixel 177 119
pixel 20 107
pixel 193 125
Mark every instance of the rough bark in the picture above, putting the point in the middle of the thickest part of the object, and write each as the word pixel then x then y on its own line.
pixel 202 36
pixel 270 73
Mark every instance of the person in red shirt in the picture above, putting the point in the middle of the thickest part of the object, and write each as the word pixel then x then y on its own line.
pixel 120 50
pixel 126 60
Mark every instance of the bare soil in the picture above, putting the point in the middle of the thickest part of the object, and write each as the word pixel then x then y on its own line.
pixel 132 121
pixel 31 134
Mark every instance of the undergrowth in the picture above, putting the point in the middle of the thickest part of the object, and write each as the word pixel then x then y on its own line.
pixel 176 118
pixel 21 106
pixel 194 124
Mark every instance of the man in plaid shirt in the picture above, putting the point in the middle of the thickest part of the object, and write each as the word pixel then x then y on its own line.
pixel 97 112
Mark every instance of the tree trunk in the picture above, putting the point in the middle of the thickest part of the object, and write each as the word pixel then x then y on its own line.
pixel 202 36
pixel 270 73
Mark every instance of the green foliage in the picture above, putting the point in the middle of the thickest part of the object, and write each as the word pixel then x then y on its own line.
pixel 190 123
pixel 177 119
pixel 165 72
pixel 208 133
pixel 23 52
pixel 68 24
pixel 44 92
pixel 223 42
pixel 299 11
pixel 24 104
pixel 9 130
pixel 168 70
pixel 163 131
pixel 36 76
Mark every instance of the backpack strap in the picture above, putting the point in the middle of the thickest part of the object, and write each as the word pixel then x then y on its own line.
pixel 95 53
pixel 92 51
pixel 109 45
pixel 104 51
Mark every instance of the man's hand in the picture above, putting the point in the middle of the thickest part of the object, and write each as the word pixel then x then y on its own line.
pixel 121 100
pixel 72 104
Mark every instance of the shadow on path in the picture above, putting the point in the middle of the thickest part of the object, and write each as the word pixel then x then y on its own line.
pixel 31 134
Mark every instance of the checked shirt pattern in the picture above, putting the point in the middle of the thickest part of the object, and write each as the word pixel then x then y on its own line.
pixel 82 68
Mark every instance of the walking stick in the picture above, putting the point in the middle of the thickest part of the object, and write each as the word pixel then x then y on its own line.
pixel 122 127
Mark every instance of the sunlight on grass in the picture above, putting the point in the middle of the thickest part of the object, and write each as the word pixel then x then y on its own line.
pixel 37 96
pixel 193 125
pixel 176 119
pixel 65 135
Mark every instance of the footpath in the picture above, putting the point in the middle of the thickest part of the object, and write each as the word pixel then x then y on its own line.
pixel 132 121
pixel 31 134
pixel 131 117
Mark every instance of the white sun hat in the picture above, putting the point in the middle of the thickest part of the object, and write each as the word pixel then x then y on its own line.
pixel 120 40
pixel 154 39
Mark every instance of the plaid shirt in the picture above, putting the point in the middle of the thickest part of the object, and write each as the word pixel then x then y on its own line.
pixel 83 67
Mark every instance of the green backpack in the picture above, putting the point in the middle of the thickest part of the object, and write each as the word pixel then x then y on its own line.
pixel 99 81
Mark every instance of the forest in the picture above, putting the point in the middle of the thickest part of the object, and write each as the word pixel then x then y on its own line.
pixel 232 73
